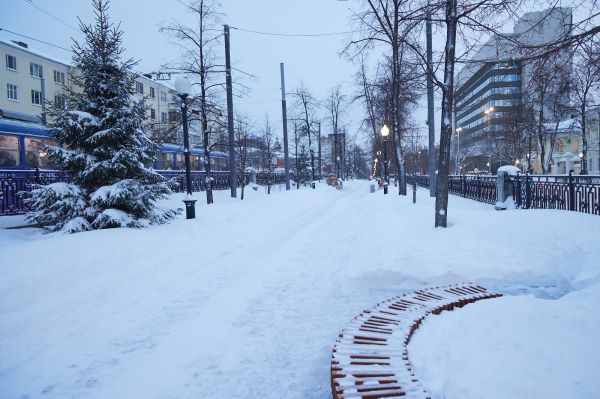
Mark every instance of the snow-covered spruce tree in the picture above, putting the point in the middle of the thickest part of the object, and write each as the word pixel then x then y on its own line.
pixel 105 146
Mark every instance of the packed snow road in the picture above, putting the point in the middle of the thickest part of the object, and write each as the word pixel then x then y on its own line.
pixel 246 300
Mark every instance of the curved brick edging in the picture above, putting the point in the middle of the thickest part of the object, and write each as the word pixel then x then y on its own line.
pixel 370 357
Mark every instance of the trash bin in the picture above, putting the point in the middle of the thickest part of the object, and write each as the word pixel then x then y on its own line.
pixel 372 188
pixel 190 208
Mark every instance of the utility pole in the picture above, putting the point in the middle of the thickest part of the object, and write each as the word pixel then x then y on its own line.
pixel 430 110
pixel 335 154
pixel 319 149
pixel 232 163
pixel 286 155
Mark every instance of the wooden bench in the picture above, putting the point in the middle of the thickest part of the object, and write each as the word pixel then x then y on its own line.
pixel 370 357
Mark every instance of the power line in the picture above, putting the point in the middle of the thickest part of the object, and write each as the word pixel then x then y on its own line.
pixel 294 35
pixel 51 15
pixel 36 40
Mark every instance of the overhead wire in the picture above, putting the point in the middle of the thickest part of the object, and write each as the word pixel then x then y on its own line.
pixel 293 34
pixel 30 2
pixel 34 39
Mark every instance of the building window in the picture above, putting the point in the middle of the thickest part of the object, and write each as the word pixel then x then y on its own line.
pixel 163 117
pixel 139 88
pixel 12 92
pixel 36 70
pixel 36 97
pixel 60 101
pixel 152 113
pixel 173 116
pixel 152 92
pixel 163 96
pixel 11 62
pixel 9 151
pixel 59 77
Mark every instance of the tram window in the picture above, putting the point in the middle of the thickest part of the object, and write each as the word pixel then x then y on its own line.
pixel 35 153
pixel 179 163
pixel 195 161
pixel 166 161
pixel 9 151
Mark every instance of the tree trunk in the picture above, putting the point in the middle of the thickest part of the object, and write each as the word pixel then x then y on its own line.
pixel 441 197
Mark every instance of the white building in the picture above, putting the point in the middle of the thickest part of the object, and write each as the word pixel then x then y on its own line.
pixel 29 79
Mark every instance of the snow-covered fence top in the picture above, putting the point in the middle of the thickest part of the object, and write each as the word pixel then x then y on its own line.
pixel 370 357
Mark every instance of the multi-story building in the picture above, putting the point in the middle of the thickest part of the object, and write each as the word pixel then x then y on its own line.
pixel 489 98
pixel 29 78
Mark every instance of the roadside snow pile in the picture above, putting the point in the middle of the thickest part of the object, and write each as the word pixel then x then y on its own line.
pixel 512 347
pixel 246 300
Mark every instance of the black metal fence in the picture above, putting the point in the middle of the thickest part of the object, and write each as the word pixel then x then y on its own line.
pixel 16 184
pixel 580 193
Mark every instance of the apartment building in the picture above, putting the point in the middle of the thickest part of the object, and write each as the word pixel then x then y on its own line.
pixel 29 79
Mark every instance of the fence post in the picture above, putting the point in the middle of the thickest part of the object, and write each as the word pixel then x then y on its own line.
pixel 571 192
pixel 527 191
pixel 36 176
pixel 517 190
pixel 479 188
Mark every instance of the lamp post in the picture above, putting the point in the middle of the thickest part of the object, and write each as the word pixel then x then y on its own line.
pixel 488 112
pixel 582 163
pixel 458 130
pixel 182 87
pixel 385 131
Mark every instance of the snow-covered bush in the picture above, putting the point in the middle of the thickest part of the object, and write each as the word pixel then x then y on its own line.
pixel 105 148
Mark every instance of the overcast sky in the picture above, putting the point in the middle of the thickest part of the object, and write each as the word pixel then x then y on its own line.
pixel 313 60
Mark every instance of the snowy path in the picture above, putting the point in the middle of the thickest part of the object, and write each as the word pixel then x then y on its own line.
pixel 246 301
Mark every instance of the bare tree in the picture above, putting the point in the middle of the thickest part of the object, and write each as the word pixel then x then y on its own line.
pixel 547 94
pixel 335 105
pixel 199 59
pixel 586 78
pixel 305 107
pixel 268 152
pixel 366 94
pixel 242 133
pixel 388 22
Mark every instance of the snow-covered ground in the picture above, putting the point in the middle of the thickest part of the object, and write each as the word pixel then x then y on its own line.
pixel 246 300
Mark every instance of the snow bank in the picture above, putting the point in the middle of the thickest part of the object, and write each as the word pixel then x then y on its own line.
pixel 246 300
pixel 513 347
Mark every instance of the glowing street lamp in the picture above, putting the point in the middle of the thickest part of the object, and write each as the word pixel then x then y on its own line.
pixel 385 131
pixel 488 112
pixel 458 130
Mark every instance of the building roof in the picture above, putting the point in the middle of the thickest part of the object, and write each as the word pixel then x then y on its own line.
pixel 35 52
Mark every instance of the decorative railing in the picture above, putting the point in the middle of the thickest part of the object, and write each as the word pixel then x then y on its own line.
pixel 16 184
pixel 580 193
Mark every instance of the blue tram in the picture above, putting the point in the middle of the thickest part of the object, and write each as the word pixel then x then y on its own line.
pixel 22 147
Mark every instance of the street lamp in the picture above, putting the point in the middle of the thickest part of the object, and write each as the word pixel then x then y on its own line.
pixel 458 130
pixel 582 162
pixel 488 112
pixel 385 131
pixel 182 87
